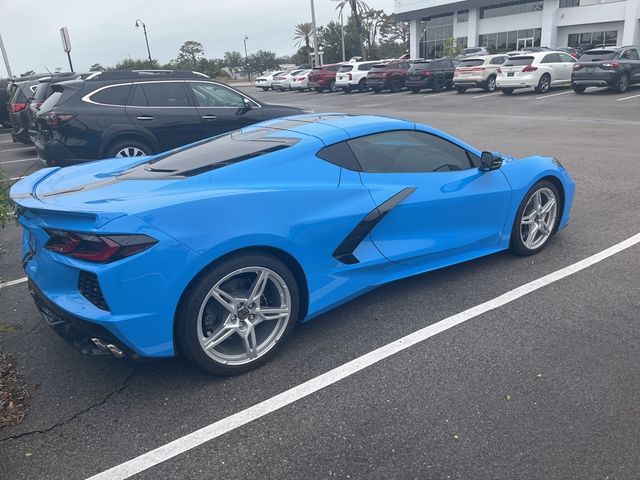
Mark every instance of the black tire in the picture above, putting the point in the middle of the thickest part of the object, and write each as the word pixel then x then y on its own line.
pixel 187 321
pixel 578 89
pixel 347 89
pixel 491 84
pixel 461 89
pixel 623 83
pixel 439 85
pixel 507 91
pixel 377 89
pixel 332 86
pixel 127 143
pixel 415 89
pixel 362 85
pixel 544 84
pixel 5 124
pixel 396 85
pixel 265 88
pixel 318 90
pixel 516 245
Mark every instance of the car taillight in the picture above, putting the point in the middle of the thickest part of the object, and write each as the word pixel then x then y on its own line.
pixel 300 79
pixel 17 107
pixel 97 248
pixel 611 65
pixel 577 66
pixel 55 119
pixel 478 69
pixel 499 70
pixel 574 55
pixel 529 69
pixel 350 76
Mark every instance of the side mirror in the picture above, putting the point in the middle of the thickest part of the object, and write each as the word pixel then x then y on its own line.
pixel 489 161
pixel 247 104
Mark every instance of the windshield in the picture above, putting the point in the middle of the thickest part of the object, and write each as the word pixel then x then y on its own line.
pixel 467 51
pixel 471 63
pixel 345 68
pixel 598 55
pixel 211 154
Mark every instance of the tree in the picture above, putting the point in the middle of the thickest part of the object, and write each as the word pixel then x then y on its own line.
pixel 372 23
pixel 358 8
pixel 302 33
pixel 136 64
pixel 96 67
pixel 234 61
pixel 262 61
pixel 330 41
pixel 27 73
pixel 191 52
pixel 452 48
pixel 5 202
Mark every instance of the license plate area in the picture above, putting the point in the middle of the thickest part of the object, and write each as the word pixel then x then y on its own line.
pixel 510 74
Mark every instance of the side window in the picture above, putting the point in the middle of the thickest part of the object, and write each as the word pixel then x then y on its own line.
pixel 138 98
pixel 334 68
pixel 497 61
pixel 365 66
pixel 408 151
pixel 212 95
pixel 116 95
pixel 551 58
pixel 405 66
pixel 166 94
pixel 629 54
pixel 392 66
pixel 566 58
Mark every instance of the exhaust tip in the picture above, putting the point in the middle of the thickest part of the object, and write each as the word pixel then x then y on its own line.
pixel 108 347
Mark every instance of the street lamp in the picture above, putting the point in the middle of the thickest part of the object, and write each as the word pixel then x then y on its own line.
pixel 146 39
pixel 315 36
pixel 246 59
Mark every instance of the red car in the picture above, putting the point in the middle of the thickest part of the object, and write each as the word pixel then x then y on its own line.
pixel 324 77
pixel 389 76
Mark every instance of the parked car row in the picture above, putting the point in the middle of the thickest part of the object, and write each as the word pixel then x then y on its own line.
pixel 75 118
pixel 540 68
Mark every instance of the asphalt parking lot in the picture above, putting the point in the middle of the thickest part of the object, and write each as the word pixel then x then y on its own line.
pixel 546 386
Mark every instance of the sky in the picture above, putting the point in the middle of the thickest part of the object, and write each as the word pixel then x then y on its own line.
pixel 103 31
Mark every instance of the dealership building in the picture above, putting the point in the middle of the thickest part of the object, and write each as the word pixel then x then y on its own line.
pixel 503 26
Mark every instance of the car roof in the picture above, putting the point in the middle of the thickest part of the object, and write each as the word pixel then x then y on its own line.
pixel 145 75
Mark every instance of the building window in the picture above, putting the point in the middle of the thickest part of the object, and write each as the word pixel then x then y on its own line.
pixel 580 3
pixel 462 16
pixel 593 39
pixel 462 43
pixel 507 41
pixel 435 31
pixel 511 8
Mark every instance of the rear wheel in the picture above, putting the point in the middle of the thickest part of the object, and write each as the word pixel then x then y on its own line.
pixel 265 88
pixel 415 89
pixel 507 91
pixel 623 83
pixel 347 89
pixel 377 89
pixel 537 219
pixel 396 85
pixel 578 89
pixel 439 85
pixel 461 90
pixel 491 84
pixel 236 316
pixel 332 86
pixel 318 89
pixel 544 83
pixel 128 148
pixel 362 85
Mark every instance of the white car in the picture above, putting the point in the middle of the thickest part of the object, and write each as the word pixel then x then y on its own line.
pixel 265 81
pixel 283 81
pixel 300 81
pixel 539 70
pixel 353 75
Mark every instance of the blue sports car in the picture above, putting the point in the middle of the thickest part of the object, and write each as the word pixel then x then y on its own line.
pixel 215 250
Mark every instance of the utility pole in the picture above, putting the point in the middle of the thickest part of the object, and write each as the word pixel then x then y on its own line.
pixel 6 59
pixel 315 36
pixel 246 59
pixel 342 31
pixel 146 39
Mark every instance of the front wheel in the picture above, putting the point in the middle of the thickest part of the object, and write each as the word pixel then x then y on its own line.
pixel 415 89
pixel 536 220
pixel 461 90
pixel 507 91
pixel 377 89
pixel 265 88
pixel 318 90
pixel 237 315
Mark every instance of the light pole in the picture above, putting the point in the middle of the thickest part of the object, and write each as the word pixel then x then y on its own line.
pixel 246 59
pixel 315 36
pixel 6 59
pixel 342 31
pixel 146 39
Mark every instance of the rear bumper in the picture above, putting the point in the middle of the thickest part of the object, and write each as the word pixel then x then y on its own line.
pixel 19 134
pixel 318 84
pixel 55 153
pixel 427 83
pixel 595 80
pixel 377 83
pixel 469 82
pixel 516 82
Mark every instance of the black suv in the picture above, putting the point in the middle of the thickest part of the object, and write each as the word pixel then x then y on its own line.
pixel 21 92
pixel 4 100
pixel 436 75
pixel 614 67
pixel 138 113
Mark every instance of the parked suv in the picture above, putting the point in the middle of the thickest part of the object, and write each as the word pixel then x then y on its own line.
pixel 123 114
pixel 436 75
pixel 353 76
pixel 613 67
pixel 475 51
pixel 22 90
pixel 478 72
pixel 4 100
pixel 388 76
pixel 324 78
pixel 540 70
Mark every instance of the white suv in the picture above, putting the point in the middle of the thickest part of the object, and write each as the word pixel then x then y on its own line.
pixel 540 70
pixel 353 76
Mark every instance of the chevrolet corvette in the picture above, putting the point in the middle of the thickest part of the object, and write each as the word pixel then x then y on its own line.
pixel 215 250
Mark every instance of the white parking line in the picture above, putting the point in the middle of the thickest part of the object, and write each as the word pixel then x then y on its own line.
pixel 19 161
pixel 16 149
pixel 627 98
pixel 13 282
pixel 554 95
pixel 488 95
pixel 6 141
pixel 216 429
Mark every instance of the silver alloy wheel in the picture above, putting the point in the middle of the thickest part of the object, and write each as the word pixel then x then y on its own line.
pixel 544 84
pixel 538 218
pixel 624 83
pixel 491 86
pixel 130 152
pixel 244 315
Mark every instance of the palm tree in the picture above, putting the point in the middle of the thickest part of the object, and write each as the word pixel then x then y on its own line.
pixel 358 7
pixel 303 33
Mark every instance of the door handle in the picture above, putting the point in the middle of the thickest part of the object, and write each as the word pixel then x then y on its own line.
pixel 145 117
pixel 209 117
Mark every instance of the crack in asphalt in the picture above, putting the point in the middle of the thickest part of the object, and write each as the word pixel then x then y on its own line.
pixel 124 385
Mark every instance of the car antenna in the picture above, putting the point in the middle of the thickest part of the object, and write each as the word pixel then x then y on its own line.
pixel 49 71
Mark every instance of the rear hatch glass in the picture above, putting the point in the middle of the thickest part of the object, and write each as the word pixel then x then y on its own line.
pixel 476 62
pixel 598 56
pixel 345 68
pixel 419 67
pixel 379 67
pixel 518 62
